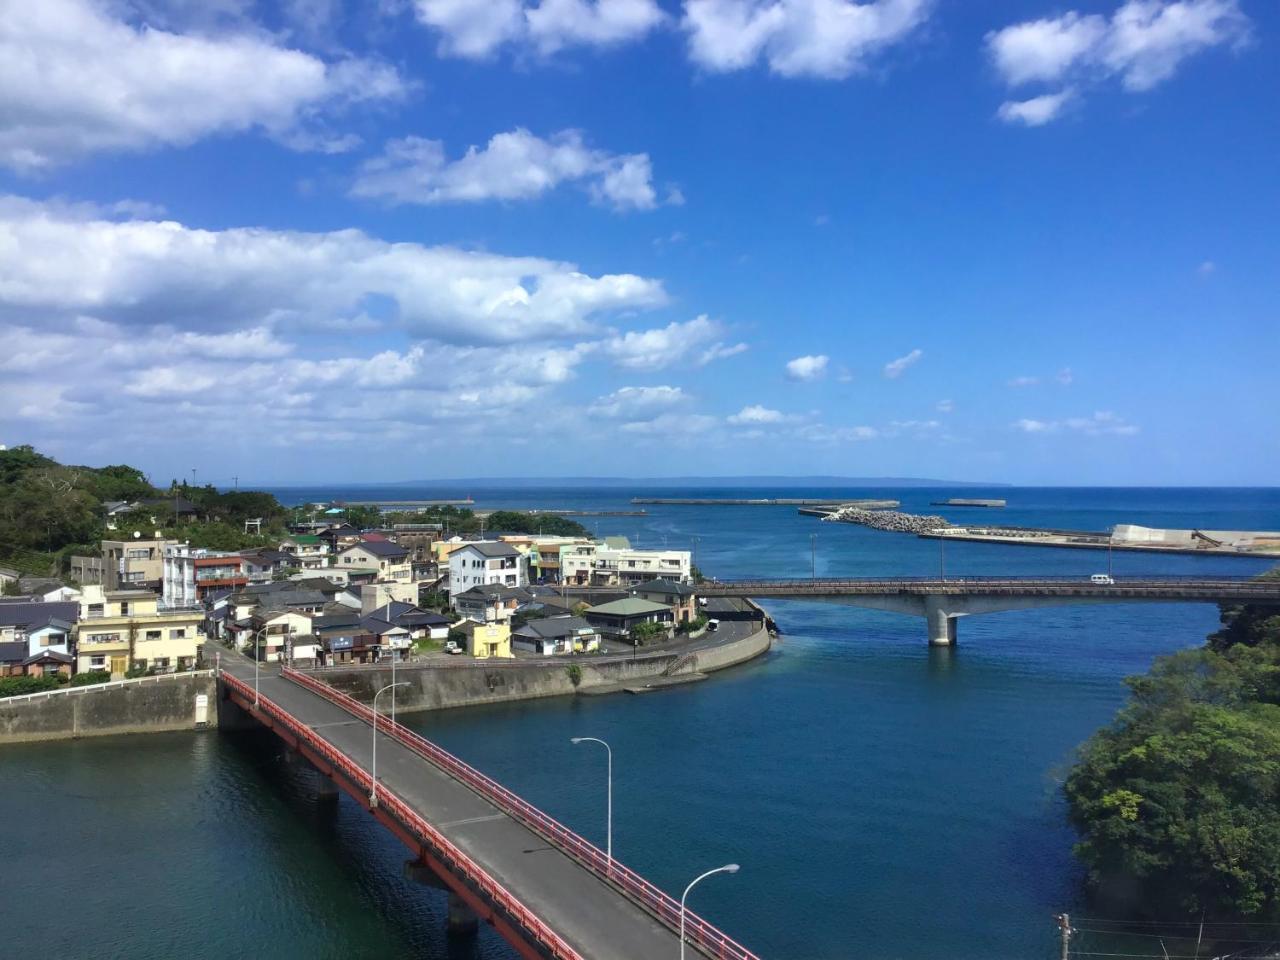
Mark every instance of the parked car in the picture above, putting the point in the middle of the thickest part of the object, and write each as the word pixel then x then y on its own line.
pixel 452 647
pixel 1102 578
pixel 713 624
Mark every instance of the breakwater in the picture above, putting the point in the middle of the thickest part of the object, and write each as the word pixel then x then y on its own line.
pixel 888 520
pixel 967 502
pixel 182 701
pixel 769 502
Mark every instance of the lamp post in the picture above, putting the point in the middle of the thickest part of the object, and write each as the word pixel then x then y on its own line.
pixel 373 787
pixel 609 802
pixel 257 657
pixel 727 868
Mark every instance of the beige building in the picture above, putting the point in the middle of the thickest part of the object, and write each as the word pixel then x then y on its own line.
pixel 136 564
pixel 123 629
pixel 600 565
pixel 388 560
pixel 487 640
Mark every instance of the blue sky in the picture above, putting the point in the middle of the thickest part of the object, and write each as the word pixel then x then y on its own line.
pixel 1025 242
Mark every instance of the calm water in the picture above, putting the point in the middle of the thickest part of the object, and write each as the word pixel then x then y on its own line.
pixel 885 800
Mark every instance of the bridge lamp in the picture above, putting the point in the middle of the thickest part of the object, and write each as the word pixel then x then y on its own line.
pixel 609 807
pixel 727 868
pixel 373 787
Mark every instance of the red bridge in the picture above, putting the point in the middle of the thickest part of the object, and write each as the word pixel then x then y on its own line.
pixel 546 890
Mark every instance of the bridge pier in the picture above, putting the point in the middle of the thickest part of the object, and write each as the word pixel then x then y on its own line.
pixel 462 921
pixel 942 625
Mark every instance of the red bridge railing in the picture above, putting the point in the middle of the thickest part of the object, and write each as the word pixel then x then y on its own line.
pixel 707 937
pixel 533 927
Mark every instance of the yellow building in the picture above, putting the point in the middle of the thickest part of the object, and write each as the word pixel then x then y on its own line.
pixel 123 629
pixel 486 640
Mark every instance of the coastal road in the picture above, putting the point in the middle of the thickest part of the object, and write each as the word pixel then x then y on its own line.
pixel 597 920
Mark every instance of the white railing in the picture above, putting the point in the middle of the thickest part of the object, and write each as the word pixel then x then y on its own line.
pixel 89 687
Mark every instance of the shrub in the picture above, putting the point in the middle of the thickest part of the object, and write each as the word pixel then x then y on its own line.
pixel 17 686
pixel 90 677
pixel 575 673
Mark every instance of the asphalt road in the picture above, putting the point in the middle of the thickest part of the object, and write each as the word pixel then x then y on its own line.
pixel 595 919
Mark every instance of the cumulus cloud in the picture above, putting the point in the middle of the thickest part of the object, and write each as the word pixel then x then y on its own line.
pixel 633 401
pixel 809 367
pixel 476 30
pixel 821 433
pixel 945 406
pixel 1024 381
pixel 755 415
pixel 1036 111
pixel 1102 423
pixel 513 166
pixel 672 425
pixel 896 368
pixel 698 340
pixel 1143 43
pixel 817 38
pixel 1065 376
pixel 141 271
pixel 75 79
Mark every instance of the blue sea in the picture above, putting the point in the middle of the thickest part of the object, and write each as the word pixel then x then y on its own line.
pixel 885 800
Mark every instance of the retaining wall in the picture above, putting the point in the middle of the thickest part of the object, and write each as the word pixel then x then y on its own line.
pixel 149 705
pixel 465 685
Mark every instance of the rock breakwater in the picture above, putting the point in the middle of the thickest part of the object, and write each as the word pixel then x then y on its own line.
pixel 891 520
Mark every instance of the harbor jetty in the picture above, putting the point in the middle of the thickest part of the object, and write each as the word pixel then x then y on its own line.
pixel 769 502
pixel 888 520
pixel 967 502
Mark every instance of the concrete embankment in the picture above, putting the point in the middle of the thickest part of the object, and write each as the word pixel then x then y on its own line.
pixel 145 705
pixel 889 520
pixel 469 684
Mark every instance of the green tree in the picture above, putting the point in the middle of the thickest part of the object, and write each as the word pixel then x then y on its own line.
pixel 1177 802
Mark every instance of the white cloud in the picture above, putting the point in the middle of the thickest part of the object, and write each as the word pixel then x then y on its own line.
pixel 808 367
pixel 513 166
pixel 945 406
pixel 757 414
pixel 476 29
pixel 821 433
pixel 1024 381
pixel 633 401
pixel 895 368
pixel 670 425
pixel 1102 423
pixel 1037 111
pixel 55 263
pixel 818 38
pixel 1065 376
pixel 75 80
pixel 667 346
pixel 1144 42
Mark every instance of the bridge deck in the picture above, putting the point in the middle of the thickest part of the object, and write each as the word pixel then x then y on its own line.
pixel 1172 589
pixel 597 920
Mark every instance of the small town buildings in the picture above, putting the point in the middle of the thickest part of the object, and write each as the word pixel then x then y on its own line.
pixel 619 617
pixel 85 570
pixel 550 635
pixel 308 551
pixel 387 560
pixel 264 565
pixel 36 637
pixel 544 555
pixel 601 565
pixel 486 562
pixel 487 640
pixel 191 574
pixel 47 590
pixel 11 656
pixel 134 564
pixel 680 597
pixel 124 629
pixel 489 602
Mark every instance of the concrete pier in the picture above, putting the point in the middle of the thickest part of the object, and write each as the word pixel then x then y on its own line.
pixel 942 625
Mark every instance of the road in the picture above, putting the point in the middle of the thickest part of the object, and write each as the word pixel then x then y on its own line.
pixel 598 921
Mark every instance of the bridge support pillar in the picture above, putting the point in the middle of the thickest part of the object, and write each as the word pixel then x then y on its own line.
pixel 942 625
pixel 462 920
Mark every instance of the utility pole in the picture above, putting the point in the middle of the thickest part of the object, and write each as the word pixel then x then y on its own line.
pixel 236 481
pixel 1065 931
pixel 193 478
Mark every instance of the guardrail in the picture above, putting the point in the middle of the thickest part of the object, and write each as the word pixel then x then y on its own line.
pixel 1233 587
pixel 1174 579
pixel 635 887
pixel 390 801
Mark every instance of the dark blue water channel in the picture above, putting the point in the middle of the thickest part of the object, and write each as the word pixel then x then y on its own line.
pixel 884 800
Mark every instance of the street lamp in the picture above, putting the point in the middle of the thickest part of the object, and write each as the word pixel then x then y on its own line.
pixel 257 656
pixel 609 806
pixel 727 868
pixel 373 787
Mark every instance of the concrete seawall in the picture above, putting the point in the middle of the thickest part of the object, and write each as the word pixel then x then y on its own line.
pixel 148 705
pixel 466 685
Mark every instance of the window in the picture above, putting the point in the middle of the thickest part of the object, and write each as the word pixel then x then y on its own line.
pixel 95 609
pixel 139 554
pixel 160 663
pixel 98 662
pixel 178 633
pixel 53 639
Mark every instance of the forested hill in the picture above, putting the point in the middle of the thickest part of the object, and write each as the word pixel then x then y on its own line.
pixel 49 510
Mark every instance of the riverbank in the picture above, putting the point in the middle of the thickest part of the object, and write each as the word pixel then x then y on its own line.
pixel 179 701
pixel 449 685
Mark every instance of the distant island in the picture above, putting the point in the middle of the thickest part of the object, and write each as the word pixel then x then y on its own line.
pixel 749 481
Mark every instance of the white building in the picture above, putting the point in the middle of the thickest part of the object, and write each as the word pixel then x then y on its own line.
pixel 191 572
pixel 596 564
pixel 485 562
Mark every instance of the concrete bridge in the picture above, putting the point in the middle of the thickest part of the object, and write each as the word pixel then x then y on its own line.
pixel 546 890
pixel 941 601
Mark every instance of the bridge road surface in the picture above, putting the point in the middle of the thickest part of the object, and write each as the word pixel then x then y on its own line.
pixel 595 919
